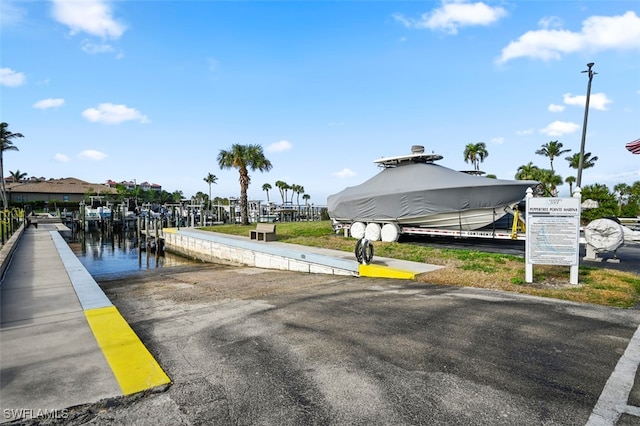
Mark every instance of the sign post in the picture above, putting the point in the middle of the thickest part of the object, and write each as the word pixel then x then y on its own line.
pixel 553 233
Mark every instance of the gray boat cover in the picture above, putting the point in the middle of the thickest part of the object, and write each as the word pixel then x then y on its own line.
pixel 422 189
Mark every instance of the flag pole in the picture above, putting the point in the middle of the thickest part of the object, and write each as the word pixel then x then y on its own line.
pixel 584 124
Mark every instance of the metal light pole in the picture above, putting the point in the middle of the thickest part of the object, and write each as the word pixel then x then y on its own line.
pixel 590 73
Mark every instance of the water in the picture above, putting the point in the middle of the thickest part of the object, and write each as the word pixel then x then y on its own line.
pixel 108 253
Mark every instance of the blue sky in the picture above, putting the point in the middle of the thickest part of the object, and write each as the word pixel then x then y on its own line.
pixel 153 90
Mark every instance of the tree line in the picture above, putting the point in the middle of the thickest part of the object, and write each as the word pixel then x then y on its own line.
pixel 623 200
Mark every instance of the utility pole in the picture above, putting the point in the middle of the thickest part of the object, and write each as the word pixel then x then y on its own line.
pixel 590 73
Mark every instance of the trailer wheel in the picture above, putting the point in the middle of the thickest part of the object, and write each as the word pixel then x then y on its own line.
pixel 364 251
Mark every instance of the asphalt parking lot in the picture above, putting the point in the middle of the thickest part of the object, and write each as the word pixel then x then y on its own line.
pixel 252 346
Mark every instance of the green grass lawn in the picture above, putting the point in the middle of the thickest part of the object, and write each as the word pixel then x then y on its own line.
pixel 473 268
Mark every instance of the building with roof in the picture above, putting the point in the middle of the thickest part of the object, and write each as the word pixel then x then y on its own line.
pixel 62 190
pixel 129 185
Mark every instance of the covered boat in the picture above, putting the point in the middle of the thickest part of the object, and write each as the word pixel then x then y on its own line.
pixel 412 190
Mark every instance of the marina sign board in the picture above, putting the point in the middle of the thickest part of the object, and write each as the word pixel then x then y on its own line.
pixel 553 232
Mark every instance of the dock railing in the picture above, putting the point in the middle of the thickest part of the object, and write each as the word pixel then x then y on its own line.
pixel 10 221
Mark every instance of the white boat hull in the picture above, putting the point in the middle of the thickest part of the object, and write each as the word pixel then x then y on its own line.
pixel 469 220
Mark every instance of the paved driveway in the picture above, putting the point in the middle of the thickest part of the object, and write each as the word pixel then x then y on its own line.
pixel 249 346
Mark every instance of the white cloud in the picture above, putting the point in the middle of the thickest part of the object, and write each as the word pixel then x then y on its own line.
pixel 90 16
pixel 91 154
pixel 344 173
pixel 542 44
pixel 49 103
pixel 599 101
pixel 597 33
pixel 613 32
pixel 556 108
pixel 93 49
pixel 11 78
pixel 550 22
pixel 524 132
pixel 409 23
pixel 280 146
pixel 452 15
pixel 61 158
pixel 596 100
pixel 559 128
pixel 10 14
pixel 109 113
pixel 498 140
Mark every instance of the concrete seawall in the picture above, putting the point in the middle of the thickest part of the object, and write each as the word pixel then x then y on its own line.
pixel 211 247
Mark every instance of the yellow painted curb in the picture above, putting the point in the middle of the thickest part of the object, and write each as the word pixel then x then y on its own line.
pixel 170 230
pixel 377 271
pixel 132 364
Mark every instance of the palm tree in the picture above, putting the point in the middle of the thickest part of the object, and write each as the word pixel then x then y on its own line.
pixel 622 189
pixel 296 189
pixel 211 178
pixel 243 158
pixel 549 181
pixel 475 153
pixel 552 150
pixel 587 162
pixel 282 186
pixel 306 198
pixel 197 199
pixel 570 180
pixel 287 187
pixel 6 144
pixel 266 187
pixel 17 175
pixel 527 172
pixel 293 187
pixel 176 196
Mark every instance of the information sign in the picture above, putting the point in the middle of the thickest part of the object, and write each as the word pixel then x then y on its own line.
pixel 553 231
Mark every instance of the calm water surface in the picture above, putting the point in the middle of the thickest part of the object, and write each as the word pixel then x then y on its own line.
pixel 103 253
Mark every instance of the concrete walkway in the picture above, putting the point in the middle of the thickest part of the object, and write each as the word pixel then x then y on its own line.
pixel 62 342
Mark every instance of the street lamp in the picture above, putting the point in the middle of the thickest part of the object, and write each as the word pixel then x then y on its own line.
pixel 590 73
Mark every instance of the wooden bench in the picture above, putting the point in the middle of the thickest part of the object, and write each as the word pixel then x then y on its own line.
pixel 264 232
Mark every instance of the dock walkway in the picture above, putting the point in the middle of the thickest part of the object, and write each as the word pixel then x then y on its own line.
pixel 62 341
